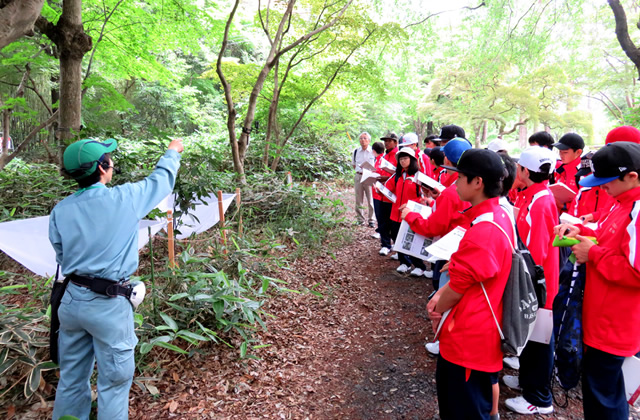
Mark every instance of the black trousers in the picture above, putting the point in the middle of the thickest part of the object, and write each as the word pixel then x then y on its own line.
pixel 383 215
pixel 461 398
pixel 603 393
pixel 536 370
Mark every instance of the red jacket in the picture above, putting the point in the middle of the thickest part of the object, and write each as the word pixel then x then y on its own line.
pixel 375 194
pixel 390 155
pixel 446 215
pixel 448 178
pixel 537 217
pixel 405 189
pixel 591 201
pixel 611 305
pixel 566 173
pixel 469 336
pixel 442 176
pixel 424 162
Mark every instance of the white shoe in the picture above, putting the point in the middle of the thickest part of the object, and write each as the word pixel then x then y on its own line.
pixel 417 272
pixel 433 348
pixel 512 382
pixel 428 274
pixel 375 235
pixel 512 361
pixel 394 257
pixel 402 269
pixel 384 251
pixel 522 406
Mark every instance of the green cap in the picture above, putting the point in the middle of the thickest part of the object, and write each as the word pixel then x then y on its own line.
pixel 81 158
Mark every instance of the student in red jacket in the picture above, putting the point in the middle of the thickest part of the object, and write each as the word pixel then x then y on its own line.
pixel 403 185
pixel 591 202
pixel 384 221
pixel 536 219
pixel 410 140
pixel 447 209
pixel 611 304
pixel 570 147
pixel 470 355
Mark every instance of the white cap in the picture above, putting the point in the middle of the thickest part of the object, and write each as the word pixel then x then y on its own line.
pixel 409 138
pixel 137 294
pixel 406 151
pixel 534 157
pixel 497 145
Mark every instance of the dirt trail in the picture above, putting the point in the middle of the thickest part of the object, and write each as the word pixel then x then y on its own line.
pixel 357 352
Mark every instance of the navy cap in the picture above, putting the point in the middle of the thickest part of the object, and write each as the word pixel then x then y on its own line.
pixel 612 161
pixel 570 141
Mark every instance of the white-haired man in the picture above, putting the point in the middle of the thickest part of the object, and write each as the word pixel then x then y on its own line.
pixel 361 155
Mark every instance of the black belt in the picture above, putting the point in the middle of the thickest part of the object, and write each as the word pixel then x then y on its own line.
pixel 105 287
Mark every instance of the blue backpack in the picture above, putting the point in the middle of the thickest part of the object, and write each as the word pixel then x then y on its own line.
pixel 567 324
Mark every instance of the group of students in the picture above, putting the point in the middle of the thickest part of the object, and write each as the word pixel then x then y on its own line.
pixel 495 198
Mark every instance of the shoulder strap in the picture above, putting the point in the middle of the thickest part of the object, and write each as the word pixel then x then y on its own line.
pixel 482 283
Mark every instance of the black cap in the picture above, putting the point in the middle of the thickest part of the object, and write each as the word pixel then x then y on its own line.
pixel 612 161
pixel 480 162
pixel 390 136
pixel 570 141
pixel 449 132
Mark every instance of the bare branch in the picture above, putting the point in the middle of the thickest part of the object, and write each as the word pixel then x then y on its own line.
pixel 316 31
pixel 444 11
pixel 95 45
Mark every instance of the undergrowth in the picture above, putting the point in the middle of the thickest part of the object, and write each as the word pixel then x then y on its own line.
pixel 215 295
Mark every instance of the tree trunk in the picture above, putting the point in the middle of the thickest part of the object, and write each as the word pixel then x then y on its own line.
pixel 72 43
pixel 271 118
pixel 522 133
pixel 17 18
pixel 430 128
pixel 622 32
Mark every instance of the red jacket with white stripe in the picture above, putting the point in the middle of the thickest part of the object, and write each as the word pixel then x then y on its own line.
pixel 469 335
pixel 566 173
pixel 391 157
pixel 537 217
pixel 591 201
pixel 405 189
pixel 374 192
pixel 446 215
pixel 611 306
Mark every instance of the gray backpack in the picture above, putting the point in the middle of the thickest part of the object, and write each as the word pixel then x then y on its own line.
pixel 519 304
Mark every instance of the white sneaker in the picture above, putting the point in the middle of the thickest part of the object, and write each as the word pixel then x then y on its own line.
pixel 384 251
pixel 375 235
pixel 512 361
pixel 402 269
pixel 418 272
pixel 522 406
pixel 428 274
pixel 512 382
pixel 394 257
pixel 433 348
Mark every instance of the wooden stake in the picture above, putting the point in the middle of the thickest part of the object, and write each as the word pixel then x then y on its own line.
pixel 238 204
pixel 172 255
pixel 222 231
pixel 289 180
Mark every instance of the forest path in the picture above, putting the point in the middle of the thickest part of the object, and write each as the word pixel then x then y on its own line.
pixel 356 352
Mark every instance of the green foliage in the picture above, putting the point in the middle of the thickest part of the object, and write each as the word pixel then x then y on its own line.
pixel 23 336
pixel 31 189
